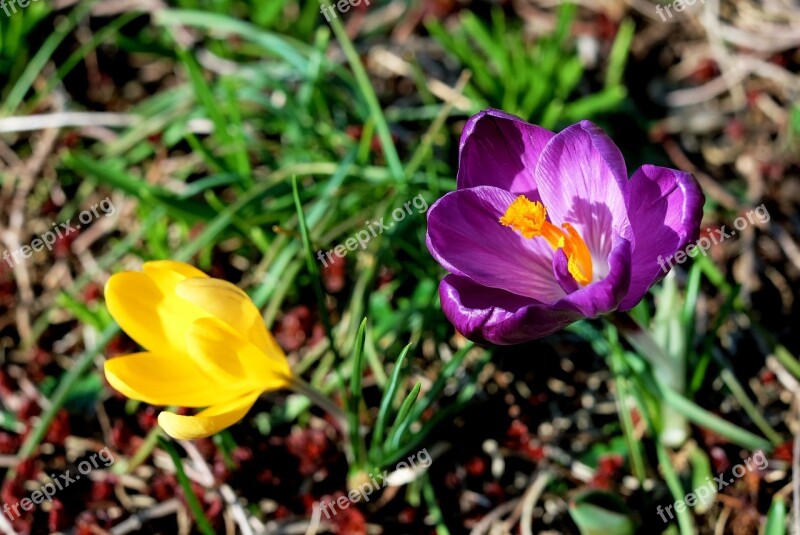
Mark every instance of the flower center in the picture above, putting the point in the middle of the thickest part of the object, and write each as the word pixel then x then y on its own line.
pixel 530 219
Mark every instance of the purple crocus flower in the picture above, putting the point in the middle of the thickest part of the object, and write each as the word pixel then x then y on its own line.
pixel 545 229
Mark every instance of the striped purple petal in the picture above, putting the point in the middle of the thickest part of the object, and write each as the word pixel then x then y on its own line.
pixel 506 289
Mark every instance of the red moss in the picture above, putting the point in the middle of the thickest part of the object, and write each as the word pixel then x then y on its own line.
pixel 59 430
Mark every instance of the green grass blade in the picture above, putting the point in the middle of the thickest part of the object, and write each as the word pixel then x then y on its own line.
pixel 685 522
pixel 386 403
pixel 619 53
pixel 40 59
pixel 313 269
pixel 776 517
pixel 702 417
pixel 195 507
pixel 356 395
pixel 437 517
pixel 371 99
pixel 402 421
pixel 292 51
pixel 441 381
pixel 80 54
pixel 112 173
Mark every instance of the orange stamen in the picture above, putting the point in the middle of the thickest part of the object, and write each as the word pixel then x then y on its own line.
pixel 529 219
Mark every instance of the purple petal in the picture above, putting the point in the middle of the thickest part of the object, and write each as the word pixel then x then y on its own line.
pixel 562 274
pixel 665 208
pixel 582 180
pixel 495 316
pixel 605 295
pixel 467 239
pixel 501 150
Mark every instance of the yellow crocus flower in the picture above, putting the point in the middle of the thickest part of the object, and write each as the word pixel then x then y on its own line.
pixel 206 344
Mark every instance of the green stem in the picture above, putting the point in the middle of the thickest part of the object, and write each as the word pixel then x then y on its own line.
pixel 641 341
pixel 203 524
pixel 322 401
pixel 674 429
pixel 435 511
pixel 637 458
pixel 141 454
pixel 749 407
pixel 675 402
pixel 685 522
pixel 704 418
pixel 787 360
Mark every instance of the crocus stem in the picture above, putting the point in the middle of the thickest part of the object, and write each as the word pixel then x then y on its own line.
pixel 320 400
pixel 640 340
pixel 668 371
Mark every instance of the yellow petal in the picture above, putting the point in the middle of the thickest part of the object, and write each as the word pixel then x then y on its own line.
pixel 224 353
pixel 208 422
pixel 157 322
pixel 229 303
pixel 181 268
pixel 165 380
